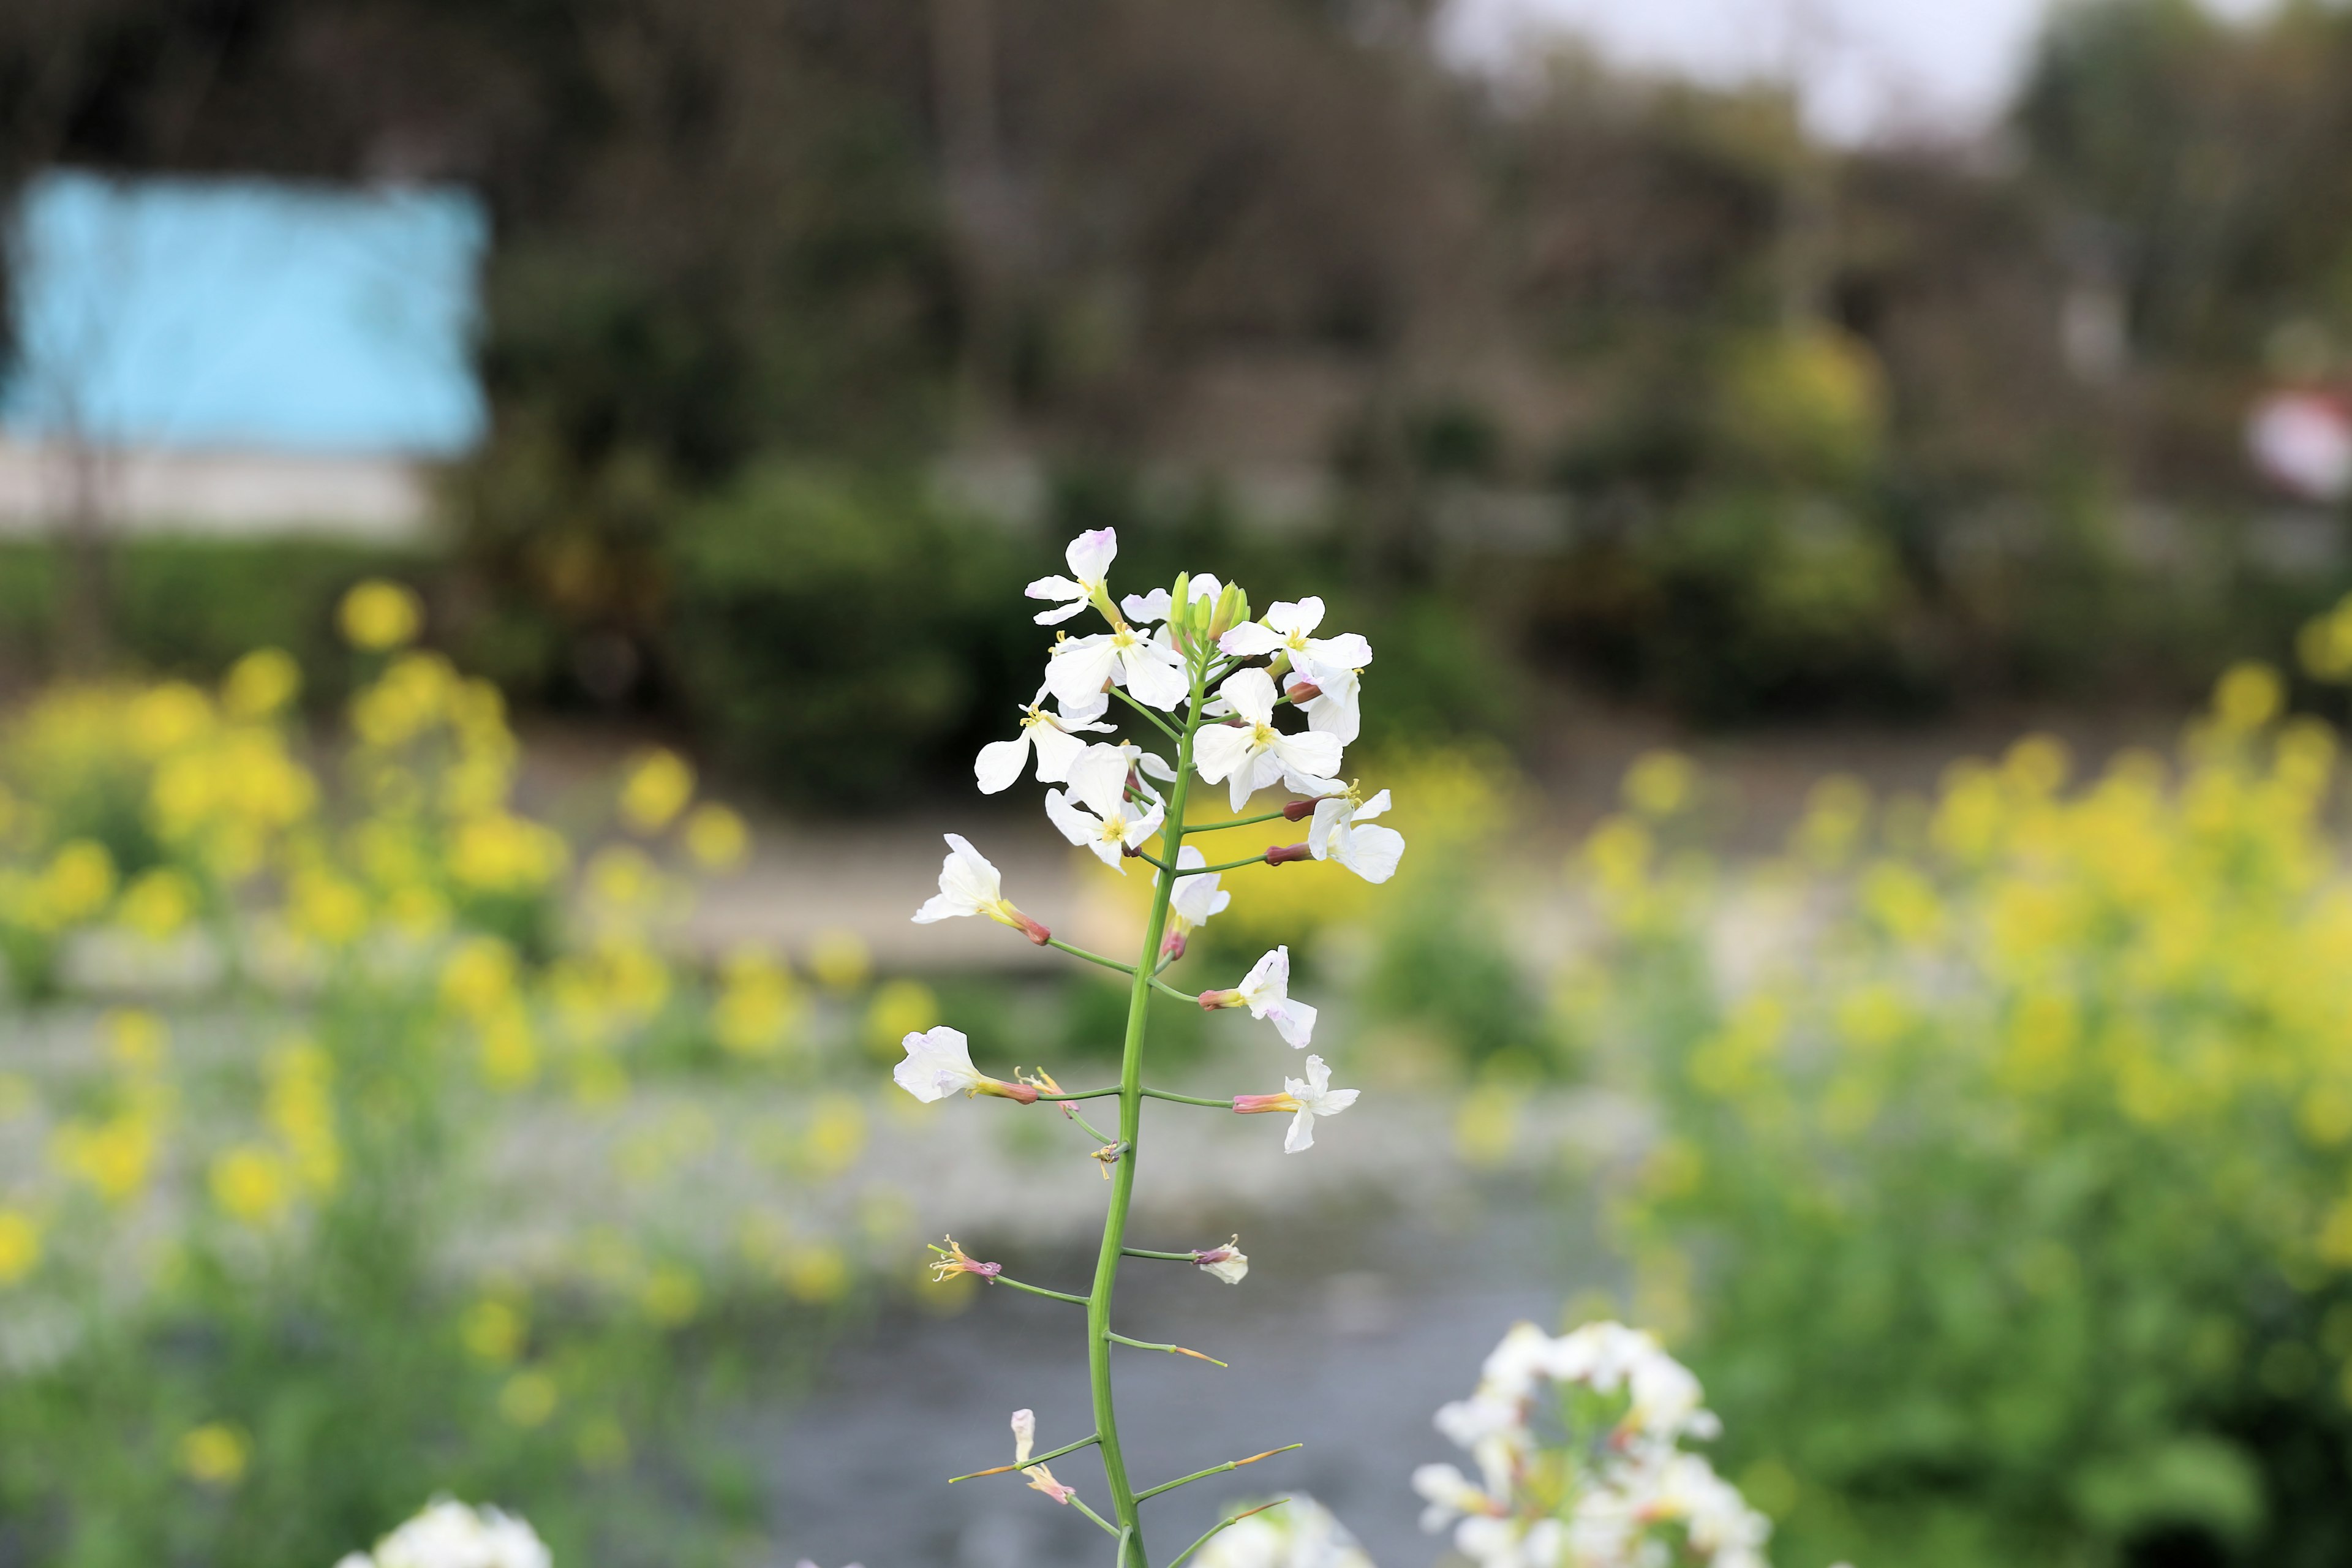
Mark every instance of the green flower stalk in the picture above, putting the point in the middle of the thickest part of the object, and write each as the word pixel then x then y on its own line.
pixel 1191 668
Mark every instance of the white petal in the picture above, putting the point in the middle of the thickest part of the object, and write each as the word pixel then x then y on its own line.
pixel 1301 1135
pixel 1076 825
pixel 1248 640
pixel 1373 851
pixel 941 908
pixel 1081 715
pixel 1078 668
pixel 1340 717
pixel 968 875
pixel 1376 806
pixel 1057 588
pixel 1000 763
pixel 1152 767
pixel 1295 1021
pixel 1304 616
pixel 1310 753
pixel 1091 554
pixel 1336 1101
pixel 1057 749
pixel 1155 675
pixel 1349 650
pixel 1099 778
pixel 1218 750
pixel 1251 691
pixel 1329 810
pixel 1146 608
pixel 1144 826
pixel 1056 617
pixel 1106 850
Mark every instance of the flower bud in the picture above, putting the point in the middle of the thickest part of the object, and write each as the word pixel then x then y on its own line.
pixel 1171 946
pixel 1025 1094
pixel 1232 608
pixel 1275 854
pixel 1304 691
pixel 1180 617
pixel 1298 811
pixel 1212 1000
pixel 1261 1104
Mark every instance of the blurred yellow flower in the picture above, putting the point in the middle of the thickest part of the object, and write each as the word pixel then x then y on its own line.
pixel 2248 696
pixel 840 960
pixel 261 683
pixel 378 616
pixel 251 1184
pixel 671 1295
pixel 20 1245
pixel 498 853
pixel 135 1038
pixel 509 1048
pixel 492 1329
pixel 78 883
pixel 816 1273
pixel 479 976
pixel 114 1156
pixel 758 1004
pixel 716 838
pixel 529 1398
pixel 656 791
pixel 601 1444
pixel 215 1454
pixel 899 1008
pixel 158 903
pixel 300 1109
pixel 1659 783
pixel 836 1137
pixel 166 717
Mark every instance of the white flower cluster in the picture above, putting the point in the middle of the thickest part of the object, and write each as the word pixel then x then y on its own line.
pixel 1611 1487
pixel 1164 650
pixel 449 1534
pixel 1301 1533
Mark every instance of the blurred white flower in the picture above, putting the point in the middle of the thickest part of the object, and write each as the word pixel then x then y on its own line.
pixel 449 1534
pixel 1098 783
pixel 1090 557
pixel 1252 753
pixel 970 885
pixel 1266 991
pixel 1054 738
pixel 1307 1097
pixel 1301 1533
pixel 1371 853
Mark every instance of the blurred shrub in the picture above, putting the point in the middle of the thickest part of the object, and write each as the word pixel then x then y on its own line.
pixel 2005 1150
pixel 266 1283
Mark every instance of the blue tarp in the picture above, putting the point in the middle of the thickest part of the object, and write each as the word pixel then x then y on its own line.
pixel 245 313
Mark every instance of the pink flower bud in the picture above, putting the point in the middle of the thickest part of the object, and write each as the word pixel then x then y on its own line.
pixel 1260 1104
pixel 1298 811
pixel 1033 930
pixel 1305 691
pixel 1172 947
pixel 1276 854
pixel 1212 1000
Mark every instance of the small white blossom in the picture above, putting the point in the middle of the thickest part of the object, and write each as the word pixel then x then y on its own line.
pixel 1148 608
pixel 1054 737
pixel 1090 557
pixel 939 1064
pixel 1098 783
pixel 1266 991
pixel 1371 853
pixel 1252 753
pixel 449 1534
pixel 1228 1263
pixel 970 885
pixel 1196 898
pixel 1285 631
pixel 1306 1099
pixel 1301 1533
pixel 1152 669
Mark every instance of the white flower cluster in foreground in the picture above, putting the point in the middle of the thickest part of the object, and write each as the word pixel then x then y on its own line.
pixel 1578 1445
pixel 449 1534
pixel 1301 1533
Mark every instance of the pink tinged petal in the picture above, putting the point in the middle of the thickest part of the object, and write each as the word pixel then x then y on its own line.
pixel 1303 616
pixel 1147 608
pixel 1294 1020
pixel 1251 693
pixel 1057 749
pixel 1373 851
pixel 1000 764
pixel 1218 750
pixel 1075 826
pixel 1248 640
pixel 1091 554
pixel 1268 980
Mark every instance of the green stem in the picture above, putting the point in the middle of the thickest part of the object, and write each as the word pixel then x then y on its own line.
pixel 1167 990
pixel 1169 1257
pixel 1256 859
pixel 1057 941
pixel 1190 1099
pixel 1237 822
pixel 1039 1290
pixel 1090 1094
pixel 1172 1350
pixel 1093 1132
pixel 1213 1470
pixel 1157 722
pixel 1132 1554
pixel 1107 1527
pixel 1223 1525
pixel 1033 1459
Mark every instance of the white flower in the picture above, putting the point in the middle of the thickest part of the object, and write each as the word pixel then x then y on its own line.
pixel 1228 1263
pixel 1196 898
pixel 939 1064
pixel 1332 700
pixel 1284 630
pixel 970 885
pixel 1449 1496
pixel 1054 736
pixel 1253 753
pixel 1098 783
pixel 1148 608
pixel 1301 1533
pixel 448 1534
pixel 1266 991
pixel 1151 669
pixel 1371 853
pixel 1090 557
pixel 1306 1098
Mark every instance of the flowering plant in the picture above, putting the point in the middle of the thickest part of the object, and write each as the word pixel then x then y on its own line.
pixel 1578 1443
pixel 1192 671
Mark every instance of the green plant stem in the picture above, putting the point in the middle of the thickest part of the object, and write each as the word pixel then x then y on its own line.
pixel 1236 822
pixel 1090 1094
pixel 1156 722
pixel 1223 1525
pixel 1055 942
pixel 1132 1552
pixel 1169 1256
pixel 1039 1291
pixel 1256 859
pixel 1107 1527
pixel 1035 1460
pixel 1167 990
pixel 1155 862
pixel 1213 1470
pixel 1093 1132
pixel 1172 1350
pixel 1190 1099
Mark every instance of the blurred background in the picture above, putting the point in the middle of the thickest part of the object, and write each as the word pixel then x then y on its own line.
pixel 513 519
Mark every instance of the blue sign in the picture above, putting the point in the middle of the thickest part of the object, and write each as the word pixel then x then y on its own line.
pixel 245 313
